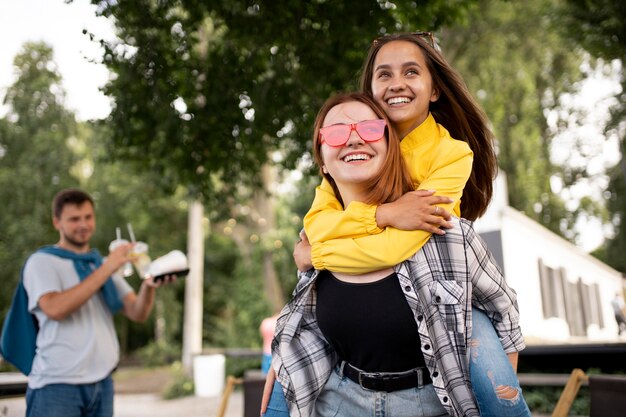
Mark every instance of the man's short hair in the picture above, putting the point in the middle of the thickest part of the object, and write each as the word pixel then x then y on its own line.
pixel 69 196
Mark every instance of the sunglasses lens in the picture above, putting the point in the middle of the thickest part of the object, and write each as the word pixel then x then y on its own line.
pixel 335 135
pixel 338 135
pixel 371 130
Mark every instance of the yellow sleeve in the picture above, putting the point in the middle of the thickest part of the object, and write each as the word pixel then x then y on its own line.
pixel 447 175
pixel 327 220
pixel 368 253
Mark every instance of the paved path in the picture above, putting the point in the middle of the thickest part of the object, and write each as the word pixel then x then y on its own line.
pixel 149 405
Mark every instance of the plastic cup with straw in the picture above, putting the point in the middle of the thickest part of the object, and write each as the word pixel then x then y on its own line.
pixel 125 270
pixel 140 256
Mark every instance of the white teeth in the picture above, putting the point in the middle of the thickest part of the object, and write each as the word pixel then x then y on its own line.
pixel 356 157
pixel 398 100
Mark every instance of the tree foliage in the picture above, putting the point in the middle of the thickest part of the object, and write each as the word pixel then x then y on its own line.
pixel 42 150
pixel 123 197
pixel 208 95
pixel 35 160
pixel 205 91
pixel 600 27
pixel 517 65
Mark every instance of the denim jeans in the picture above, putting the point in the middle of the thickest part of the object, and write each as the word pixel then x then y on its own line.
pixel 266 363
pixel 67 400
pixel 343 397
pixel 277 407
pixel 494 382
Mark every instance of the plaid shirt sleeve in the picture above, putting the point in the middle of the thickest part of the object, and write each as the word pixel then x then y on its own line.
pixel 301 356
pixel 490 292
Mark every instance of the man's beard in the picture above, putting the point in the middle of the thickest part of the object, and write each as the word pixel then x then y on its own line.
pixel 76 243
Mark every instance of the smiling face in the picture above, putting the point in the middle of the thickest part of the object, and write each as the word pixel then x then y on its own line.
pixel 76 225
pixel 402 85
pixel 357 161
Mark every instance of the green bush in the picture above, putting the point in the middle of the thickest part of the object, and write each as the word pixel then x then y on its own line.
pixel 543 400
pixel 182 384
pixel 237 366
pixel 158 354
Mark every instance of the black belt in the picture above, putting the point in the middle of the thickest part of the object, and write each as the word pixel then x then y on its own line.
pixel 387 381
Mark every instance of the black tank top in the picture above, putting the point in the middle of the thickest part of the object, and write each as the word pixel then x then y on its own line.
pixel 369 325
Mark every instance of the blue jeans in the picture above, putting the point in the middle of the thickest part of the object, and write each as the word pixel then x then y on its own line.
pixel 266 363
pixel 343 397
pixel 277 407
pixel 494 381
pixel 66 400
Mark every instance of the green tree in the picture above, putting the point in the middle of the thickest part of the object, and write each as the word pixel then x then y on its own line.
pixel 206 94
pixel 123 196
pixel 600 27
pixel 205 91
pixel 35 160
pixel 518 65
pixel 42 150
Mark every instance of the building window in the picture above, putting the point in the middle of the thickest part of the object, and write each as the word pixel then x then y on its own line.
pixel 577 303
pixel 591 303
pixel 552 297
pixel 573 308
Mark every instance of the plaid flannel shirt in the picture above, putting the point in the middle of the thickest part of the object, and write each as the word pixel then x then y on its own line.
pixel 441 283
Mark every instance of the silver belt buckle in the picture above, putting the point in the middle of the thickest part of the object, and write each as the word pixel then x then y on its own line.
pixel 367 374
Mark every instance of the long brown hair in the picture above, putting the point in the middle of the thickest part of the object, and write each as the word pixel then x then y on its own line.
pixel 458 112
pixel 393 179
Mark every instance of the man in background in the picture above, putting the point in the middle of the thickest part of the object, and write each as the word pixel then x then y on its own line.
pixel 74 294
pixel 618 309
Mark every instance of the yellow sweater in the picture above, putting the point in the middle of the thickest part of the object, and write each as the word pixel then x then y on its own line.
pixel 350 241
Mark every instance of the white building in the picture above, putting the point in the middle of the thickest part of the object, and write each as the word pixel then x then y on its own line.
pixel 564 294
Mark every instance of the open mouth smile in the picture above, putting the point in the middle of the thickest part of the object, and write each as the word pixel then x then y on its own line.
pixel 356 157
pixel 398 100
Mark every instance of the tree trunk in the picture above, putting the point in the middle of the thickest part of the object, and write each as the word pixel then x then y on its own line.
pixel 192 325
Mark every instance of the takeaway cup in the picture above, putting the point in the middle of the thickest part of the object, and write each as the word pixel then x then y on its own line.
pixel 141 259
pixel 125 270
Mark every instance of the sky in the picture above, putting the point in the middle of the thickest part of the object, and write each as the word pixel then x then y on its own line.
pixel 61 25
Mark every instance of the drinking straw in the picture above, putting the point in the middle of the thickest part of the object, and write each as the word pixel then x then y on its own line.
pixel 130 232
pixel 118 233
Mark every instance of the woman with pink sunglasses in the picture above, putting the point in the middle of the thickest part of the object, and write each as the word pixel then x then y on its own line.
pixel 390 342
pixel 449 148
pixel 421 93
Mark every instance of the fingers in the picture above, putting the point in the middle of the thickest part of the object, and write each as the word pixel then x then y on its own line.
pixel 152 283
pixel 435 227
pixel 156 283
pixel 424 193
pixel 440 212
pixel 440 218
pixel 168 279
pixel 303 237
pixel 123 249
pixel 302 255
